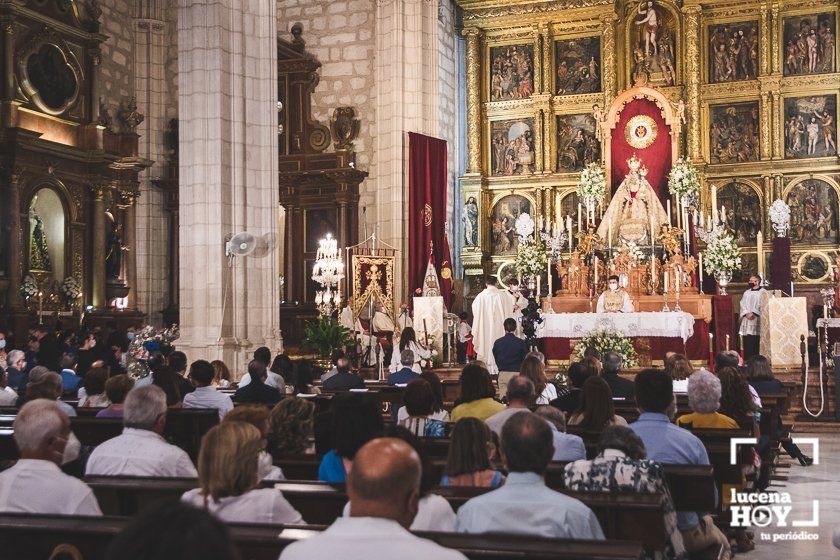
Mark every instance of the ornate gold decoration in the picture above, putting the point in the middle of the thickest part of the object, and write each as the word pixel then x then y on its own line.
pixel 764 35
pixel 641 131
pixel 530 9
pixel 692 78
pixel 608 65
pixel 426 214
pixel 376 264
pixel 803 260
pixel 473 100
pixel 47 38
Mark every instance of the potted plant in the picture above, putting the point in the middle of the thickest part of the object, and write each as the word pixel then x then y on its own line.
pixel 324 335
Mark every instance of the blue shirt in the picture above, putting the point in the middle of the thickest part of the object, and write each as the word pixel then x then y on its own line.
pixel 405 375
pixel 672 445
pixel 69 379
pixel 526 506
pixel 331 468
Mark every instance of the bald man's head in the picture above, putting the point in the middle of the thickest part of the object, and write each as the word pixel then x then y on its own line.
pixel 384 481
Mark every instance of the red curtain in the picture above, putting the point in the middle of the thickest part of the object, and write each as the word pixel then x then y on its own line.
pixel 427 212
pixel 656 157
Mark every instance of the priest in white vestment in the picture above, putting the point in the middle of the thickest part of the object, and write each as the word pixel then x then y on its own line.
pixel 750 319
pixel 615 299
pixel 381 322
pixel 366 343
pixel 490 309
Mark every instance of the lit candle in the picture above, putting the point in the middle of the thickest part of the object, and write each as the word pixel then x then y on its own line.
pixel 727 343
pixel 668 211
pixel 714 205
pixel 596 272
pixel 679 214
pixel 539 286
pixel 759 248
pixel 609 235
pixel 550 279
pixel 580 217
pixel 678 280
pixel 667 274
pixel 700 267
pixel 741 341
pixel 711 342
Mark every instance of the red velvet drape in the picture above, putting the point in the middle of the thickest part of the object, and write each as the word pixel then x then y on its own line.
pixel 427 212
pixel 656 157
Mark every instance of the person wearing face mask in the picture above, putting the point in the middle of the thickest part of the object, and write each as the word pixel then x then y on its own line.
pixel 750 319
pixel 615 299
pixel 4 361
pixel 36 484
pixel 17 375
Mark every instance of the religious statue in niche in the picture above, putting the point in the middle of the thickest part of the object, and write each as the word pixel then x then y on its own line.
pixel 740 201
pixel 652 44
pixel 577 145
pixel 635 211
pixel 578 65
pixel 512 147
pixel 470 222
pixel 733 136
pixel 810 44
pixel 39 256
pixel 114 249
pixel 503 239
pixel 733 51
pixel 811 126
pixel 813 213
pixel 511 72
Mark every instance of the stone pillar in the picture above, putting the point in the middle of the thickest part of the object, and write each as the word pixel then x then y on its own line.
pixel 14 241
pixel 98 225
pixel 130 256
pixel 692 73
pixel 227 88
pixel 473 100
pixel 7 93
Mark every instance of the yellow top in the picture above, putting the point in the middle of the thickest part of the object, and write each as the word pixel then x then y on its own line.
pixel 481 409
pixel 710 420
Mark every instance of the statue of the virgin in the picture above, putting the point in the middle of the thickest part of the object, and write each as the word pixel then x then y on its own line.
pixel 39 256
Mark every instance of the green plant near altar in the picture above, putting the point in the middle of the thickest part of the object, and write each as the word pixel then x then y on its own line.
pixel 592 185
pixel 325 334
pixel 606 340
pixel 531 259
pixel 684 181
pixel 722 254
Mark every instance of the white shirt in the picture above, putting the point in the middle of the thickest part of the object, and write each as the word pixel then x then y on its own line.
pixel 420 355
pixel 366 538
pixel 260 505
pixel 442 415
pixel 381 322
pixel 209 397
pixel 464 332
pixel 750 304
pixel 36 486
pixel 548 394
pixel 498 420
pixel 8 397
pixel 433 514
pixel 66 408
pixel 273 380
pixel 139 453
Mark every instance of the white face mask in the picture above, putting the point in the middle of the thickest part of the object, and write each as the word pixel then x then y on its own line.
pixel 93 343
pixel 130 336
pixel 71 450
pixel 2 343
pixel 264 464
pixel 613 287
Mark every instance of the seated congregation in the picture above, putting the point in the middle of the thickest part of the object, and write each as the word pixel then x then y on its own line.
pixel 411 466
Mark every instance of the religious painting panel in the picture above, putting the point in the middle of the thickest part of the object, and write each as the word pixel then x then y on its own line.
pixel 503 237
pixel 512 147
pixel 569 205
pixel 814 267
pixel 741 203
pixel 577 66
pixel 811 126
pixel 511 72
pixel 813 213
pixel 733 51
pixel 749 264
pixel 810 44
pixel 469 221
pixel 577 145
pixel 506 273
pixel 652 42
pixel 733 132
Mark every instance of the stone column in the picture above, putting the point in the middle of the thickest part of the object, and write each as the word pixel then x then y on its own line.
pixel 227 88
pixel 130 256
pixel 473 100
pixel 7 24
pixel 14 241
pixel 98 225
pixel 692 73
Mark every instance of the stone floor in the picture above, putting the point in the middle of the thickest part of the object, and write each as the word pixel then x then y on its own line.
pixel 818 482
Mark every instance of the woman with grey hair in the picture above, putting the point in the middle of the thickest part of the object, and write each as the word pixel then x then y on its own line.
pixel 621 466
pixel 704 392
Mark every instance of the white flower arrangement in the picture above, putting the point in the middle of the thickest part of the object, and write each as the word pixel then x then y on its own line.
pixel 29 287
pixel 780 217
pixel 148 341
pixel 524 225
pixel 71 288
pixel 531 258
pixel 636 252
pixel 592 185
pixel 684 181
pixel 722 253
pixel 607 340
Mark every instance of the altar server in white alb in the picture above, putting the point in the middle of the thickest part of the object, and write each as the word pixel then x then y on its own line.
pixel 520 303
pixel 615 299
pixel 490 309
pixel 750 319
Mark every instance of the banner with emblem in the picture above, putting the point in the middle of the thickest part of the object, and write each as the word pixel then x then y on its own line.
pixel 427 186
pixel 373 279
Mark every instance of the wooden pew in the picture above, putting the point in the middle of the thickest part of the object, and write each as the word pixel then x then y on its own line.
pixel 35 537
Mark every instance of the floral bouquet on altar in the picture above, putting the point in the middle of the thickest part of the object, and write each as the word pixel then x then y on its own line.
pixel 607 340
pixel 531 259
pixel 636 252
pixel 29 287
pixel 684 181
pixel 147 342
pixel 592 185
pixel 722 254
pixel 71 289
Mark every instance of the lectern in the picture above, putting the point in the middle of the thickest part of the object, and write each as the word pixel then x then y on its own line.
pixel 783 321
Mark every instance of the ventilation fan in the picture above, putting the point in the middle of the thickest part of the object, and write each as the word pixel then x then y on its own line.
pixel 241 244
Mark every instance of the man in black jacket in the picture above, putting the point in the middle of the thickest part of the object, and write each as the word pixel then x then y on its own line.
pixel 510 350
pixel 257 391
pixel 344 379
pixel 610 368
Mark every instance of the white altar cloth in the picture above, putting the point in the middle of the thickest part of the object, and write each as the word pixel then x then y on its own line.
pixel 665 324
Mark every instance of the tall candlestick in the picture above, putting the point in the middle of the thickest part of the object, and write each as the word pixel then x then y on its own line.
pixel 759 248
pixel 596 272
pixel 550 279
pixel 680 223
pixel 727 343
pixel 700 270
pixel 609 235
pixel 667 274
pixel 580 217
pixel 539 287
pixel 668 211
pixel 714 205
pixel 711 342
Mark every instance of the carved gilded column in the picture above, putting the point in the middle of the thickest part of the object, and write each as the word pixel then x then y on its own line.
pixel 779 184
pixel 538 59
pixel 776 131
pixel 473 100
pixel 548 63
pixel 764 36
pixel 548 132
pixel 609 64
pixel 98 260
pixel 774 40
pixel 766 138
pixel 130 238
pixel 692 74
pixel 539 119
pixel 14 241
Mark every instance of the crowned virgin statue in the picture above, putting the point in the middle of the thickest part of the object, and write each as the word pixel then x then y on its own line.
pixel 633 210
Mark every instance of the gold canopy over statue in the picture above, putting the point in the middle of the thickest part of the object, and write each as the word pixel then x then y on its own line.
pixel 633 210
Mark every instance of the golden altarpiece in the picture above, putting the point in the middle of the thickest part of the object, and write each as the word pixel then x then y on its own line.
pixel 68 172
pixel 747 90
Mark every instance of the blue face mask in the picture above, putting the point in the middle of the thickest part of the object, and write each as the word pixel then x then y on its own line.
pixel 130 336
pixel 2 343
